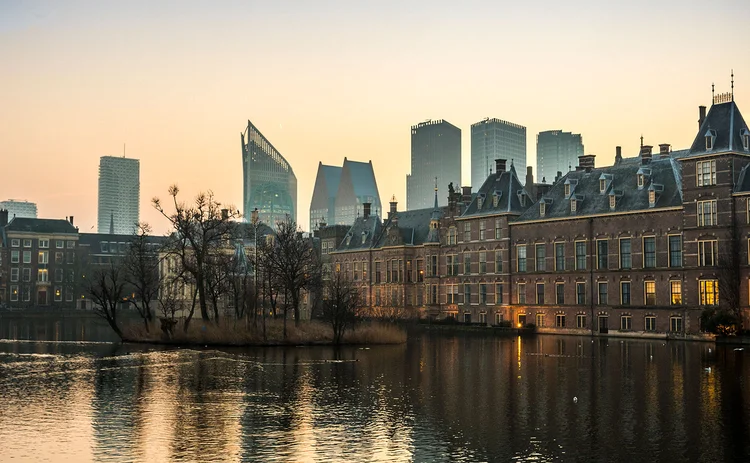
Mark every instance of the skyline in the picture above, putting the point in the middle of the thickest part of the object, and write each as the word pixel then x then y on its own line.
pixel 177 84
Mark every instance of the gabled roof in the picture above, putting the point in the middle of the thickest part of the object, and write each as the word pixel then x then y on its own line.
pixel 725 120
pixel 665 171
pixel 413 226
pixel 28 225
pixel 507 186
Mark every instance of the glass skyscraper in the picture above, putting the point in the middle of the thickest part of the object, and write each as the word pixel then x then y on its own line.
pixel 119 195
pixel 496 139
pixel 435 154
pixel 556 151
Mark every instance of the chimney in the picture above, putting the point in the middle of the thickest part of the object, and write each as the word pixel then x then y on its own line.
pixel 664 149
pixel 586 162
pixel 466 194
pixel 500 165
pixel 225 214
pixel 558 176
pixel 3 217
pixel 618 154
pixel 366 210
pixel 646 154
pixel 394 206
pixel 70 219
pixel 701 115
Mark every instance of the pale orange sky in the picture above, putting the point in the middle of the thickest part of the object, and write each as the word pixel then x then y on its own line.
pixel 177 81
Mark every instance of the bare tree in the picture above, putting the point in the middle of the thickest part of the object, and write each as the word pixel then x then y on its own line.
pixel 729 275
pixel 141 265
pixel 341 303
pixel 106 287
pixel 199 233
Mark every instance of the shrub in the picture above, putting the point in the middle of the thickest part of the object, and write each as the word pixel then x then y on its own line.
pixel 719 321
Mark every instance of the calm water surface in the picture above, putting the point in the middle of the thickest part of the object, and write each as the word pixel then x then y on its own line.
pixel 438 398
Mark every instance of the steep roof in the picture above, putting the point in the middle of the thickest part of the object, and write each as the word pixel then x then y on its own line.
pixel 725 121
pixel 506 186
pixel 369 228
pixel 28 225
pixel 662 174
pixel 358 180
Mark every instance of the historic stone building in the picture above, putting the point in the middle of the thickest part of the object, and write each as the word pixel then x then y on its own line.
pixel 639 247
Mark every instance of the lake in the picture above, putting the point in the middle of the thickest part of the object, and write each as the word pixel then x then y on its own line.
pixel 461 397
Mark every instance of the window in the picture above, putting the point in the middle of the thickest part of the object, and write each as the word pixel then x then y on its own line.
pixel 434 265
pixel 625 260
pixel 649 252
pixel 27 274
pixel 482 293
pixel 452 294
pixel 27 243
pixel 708 292
pixel 707 253
pixel 675 292
pixel 626 323
pixel 483 318
pixel 498 293
pixel 602 185
pixel 581 293
pixel 378 275
pixel 567 190
pixel 498 318
pixel 451 263
pixel 14 293
pixel 71 276
pixel 71 244
pixel 675 324
pixel 452 236
pixel 467 293
pixel 467 263
pixel 433 294
pixel 675 251
pixel 602 254
pixel 58 294
pixel 26 294
pixel 540 293
pixel 68 294
pixel 573 205
pixel 467 232
pixel 541 257
pixel 652 197
pixel 59 257
pixel 521 254
pixel 356 271
pixel 14 274
pixel 27 257
pixel 625 293
pixel 71 257
pixel 705 172
pixel 43 257
pixel 707 213
pixel 649 292
pixel 364 271
pixel 603 293
pixel 14 257
pixel 540 320
pixel 482 262
pixel 498 229
pixel 580 255
pixel 559 257
pixel 559 293
pixel 581 321
pixel 641 181
pixel 14 243
pixel 542 209
pixel 44 244
pixel 650 323
pixel 498 261
pixel 612 201
pixel 482 230
pixel 377 297
pixel 420 271
pixel 42 275
pixel 560 320
pixel 522 293
pixel 58 275
pixel 59 244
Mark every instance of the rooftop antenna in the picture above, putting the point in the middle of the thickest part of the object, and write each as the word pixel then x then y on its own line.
pixel 732 84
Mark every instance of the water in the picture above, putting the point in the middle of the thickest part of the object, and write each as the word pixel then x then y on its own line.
pixel 438 398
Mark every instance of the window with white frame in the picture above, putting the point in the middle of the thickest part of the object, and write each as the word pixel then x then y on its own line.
pixel 44 244
pixel 650 323
pixel 521 257
pixel 482 230
pixel 675 292
pixel 467 232
pixel 522 293
pixel 707 213
pixel 708 252
pixel 708 292
pixel 482 261
pixel 705 172
pixel 649 292
pixel 498 229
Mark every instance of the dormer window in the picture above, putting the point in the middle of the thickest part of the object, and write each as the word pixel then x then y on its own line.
pixel 364 237
pixel 570 187
pixel 480 201
pixel 348 239
pixel 641 180
pixel 612 202
pixel 710 139
pixel 651 197
pixel 567 190
pixel 653 193
pixel 496 198
pixel 745 134
pixel 542 209
pixel 573 205
pixel 602 185
pixel 605 180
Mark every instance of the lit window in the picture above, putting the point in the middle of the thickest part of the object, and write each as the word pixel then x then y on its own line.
pixel 652 197
pixel 708 292
pixel 649 290
pixel 675 292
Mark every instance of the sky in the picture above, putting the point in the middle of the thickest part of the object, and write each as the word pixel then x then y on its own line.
pixel 174 83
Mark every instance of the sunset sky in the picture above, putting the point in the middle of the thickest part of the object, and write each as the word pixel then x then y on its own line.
pixel 177 81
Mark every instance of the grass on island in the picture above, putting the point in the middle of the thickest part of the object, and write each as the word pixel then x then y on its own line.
pixel 230 332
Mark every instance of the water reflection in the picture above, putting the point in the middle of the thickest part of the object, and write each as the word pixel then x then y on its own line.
pixel 439 398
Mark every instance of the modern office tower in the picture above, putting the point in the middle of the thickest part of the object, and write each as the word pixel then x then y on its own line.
pixel 341 192
pixel 119 195
pixel 495 139
pixel 556 151
pixel 435 156
pixel 269 181
pixel 20 209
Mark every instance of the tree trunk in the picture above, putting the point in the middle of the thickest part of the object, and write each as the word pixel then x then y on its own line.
pixel 202 299
pixel 295 301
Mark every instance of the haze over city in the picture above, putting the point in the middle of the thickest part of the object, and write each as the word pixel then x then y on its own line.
pixel 176 82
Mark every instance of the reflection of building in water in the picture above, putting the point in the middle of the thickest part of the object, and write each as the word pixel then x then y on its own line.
pixel 269 181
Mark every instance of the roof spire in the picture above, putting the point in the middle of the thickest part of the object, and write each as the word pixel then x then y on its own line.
pixel 732 84
pixel 641 140
pixel 712 93
pixel 111 223
pixel 436 190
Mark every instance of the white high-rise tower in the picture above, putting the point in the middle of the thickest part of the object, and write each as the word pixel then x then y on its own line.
pixel 119 195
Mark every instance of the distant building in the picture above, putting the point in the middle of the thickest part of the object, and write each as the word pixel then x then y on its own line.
pixel 496 139
pixel 341 192
pixel 119 195
pixel 20 209
pixel 269 181
pixel 557 151
pixel 435 154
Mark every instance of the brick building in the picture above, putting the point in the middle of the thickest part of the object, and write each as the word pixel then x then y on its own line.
pixel 641 246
